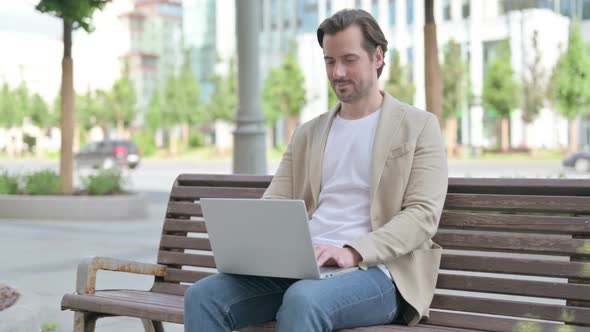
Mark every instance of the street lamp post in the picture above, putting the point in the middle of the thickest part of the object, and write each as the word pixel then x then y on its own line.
pixel 249 136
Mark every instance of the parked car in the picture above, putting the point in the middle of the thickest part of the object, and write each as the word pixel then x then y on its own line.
pixel 108 154
pixel 579 160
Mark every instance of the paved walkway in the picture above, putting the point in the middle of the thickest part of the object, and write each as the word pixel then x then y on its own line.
pixel 40 257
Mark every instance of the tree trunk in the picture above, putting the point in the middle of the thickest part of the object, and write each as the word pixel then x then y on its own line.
pixel 121 130
pixel 185 134
pixel 573 124
pixel 432 75
pixel 172 142
pixel 66 160
pixel 505 134
pixel 451 136
pixel 292 123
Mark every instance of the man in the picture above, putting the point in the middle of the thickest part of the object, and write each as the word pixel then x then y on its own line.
pixel 373 175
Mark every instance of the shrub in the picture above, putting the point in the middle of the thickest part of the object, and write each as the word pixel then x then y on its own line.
pixel 45 182
pixel 8 183
pixel 107 182
pixel 145 142
pixel 196 139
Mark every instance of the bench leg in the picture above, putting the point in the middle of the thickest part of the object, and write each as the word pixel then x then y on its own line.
pixel 84 322
pixel 152 325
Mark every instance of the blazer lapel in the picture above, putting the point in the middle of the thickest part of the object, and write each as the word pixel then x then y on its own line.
pixel 387 130
pixel 317 154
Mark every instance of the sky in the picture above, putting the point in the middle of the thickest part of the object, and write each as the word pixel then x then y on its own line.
pixel 21 16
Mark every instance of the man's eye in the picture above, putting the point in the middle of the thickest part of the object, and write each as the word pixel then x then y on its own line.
pixel 350 60
pixel 329 62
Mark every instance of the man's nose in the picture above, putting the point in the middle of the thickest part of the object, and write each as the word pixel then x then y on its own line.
pixel 339 71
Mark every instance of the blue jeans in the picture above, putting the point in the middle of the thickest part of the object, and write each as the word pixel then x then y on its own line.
pixel 227 302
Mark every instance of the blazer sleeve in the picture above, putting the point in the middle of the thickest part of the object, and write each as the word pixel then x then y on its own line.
pixel 281 186
pixel 422 204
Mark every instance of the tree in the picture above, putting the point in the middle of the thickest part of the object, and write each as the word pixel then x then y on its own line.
pixel 399 84
pixel 570 83
pixel 534 85
pixel 190 110
pixel 224 100
pixel 75 14
pixel 123 102
pixel 500 90
pixel 432 74
pixel 8 112
pixel 454 71
pixel 284 94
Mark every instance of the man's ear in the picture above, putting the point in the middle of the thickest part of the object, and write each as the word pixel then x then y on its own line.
pixel 378 56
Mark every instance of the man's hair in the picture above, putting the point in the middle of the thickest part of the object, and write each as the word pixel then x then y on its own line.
pixel 372 34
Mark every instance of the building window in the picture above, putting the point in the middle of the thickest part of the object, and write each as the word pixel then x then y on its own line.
pixel 446 9
pixel 357 4
pixel 375 8
pixel 328 8
pixel 410 55
pixel 466 9
pixel 586 10
pixel 392 12
pixel 410 12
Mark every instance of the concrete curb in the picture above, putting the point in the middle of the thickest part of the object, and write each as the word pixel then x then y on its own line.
pixel 26 315
pixel 73 208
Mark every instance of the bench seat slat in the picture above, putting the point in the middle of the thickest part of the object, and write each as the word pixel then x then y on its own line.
pixel 514 243
pixel 183 242
pixel 179 258
pixel 554 290
pixel 520 266
pixel 496 324
pixel 195 193
pixel 147 305
pixel 178 275
pixel 517 223
pixel 184 225
pixel 169 288
pixel 575 315
pixel 518 203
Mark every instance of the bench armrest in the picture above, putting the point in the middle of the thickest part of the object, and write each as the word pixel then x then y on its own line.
pixel 87 268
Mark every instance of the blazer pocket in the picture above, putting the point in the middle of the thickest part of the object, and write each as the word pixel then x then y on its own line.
pixel 399 151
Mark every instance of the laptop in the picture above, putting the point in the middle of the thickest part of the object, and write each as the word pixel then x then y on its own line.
pixel 263 237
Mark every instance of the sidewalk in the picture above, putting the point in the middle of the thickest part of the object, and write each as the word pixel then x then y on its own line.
pixel 40 258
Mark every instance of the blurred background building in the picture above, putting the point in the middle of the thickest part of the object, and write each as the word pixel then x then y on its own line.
pixel 152 37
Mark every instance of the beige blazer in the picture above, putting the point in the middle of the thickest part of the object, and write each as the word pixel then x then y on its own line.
pixel 409 180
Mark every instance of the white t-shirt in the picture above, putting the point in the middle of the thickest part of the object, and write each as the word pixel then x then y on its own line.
pixel 343 212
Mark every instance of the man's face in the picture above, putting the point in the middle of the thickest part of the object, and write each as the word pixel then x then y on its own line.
pixel 351 70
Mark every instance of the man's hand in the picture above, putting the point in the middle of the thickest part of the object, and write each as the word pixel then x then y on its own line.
pixel 329 255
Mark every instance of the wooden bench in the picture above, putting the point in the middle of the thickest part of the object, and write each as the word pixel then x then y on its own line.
pixel 517 258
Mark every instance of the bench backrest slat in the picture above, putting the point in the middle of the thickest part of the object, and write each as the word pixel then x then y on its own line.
pixel 552 312
pixel 517 223
pixel 508 245
pixel 516 266
pixel 519 203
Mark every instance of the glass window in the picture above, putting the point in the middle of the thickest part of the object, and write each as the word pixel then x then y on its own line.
pixel 328 8
pixel 410 12
pixel 357 4
pixel 446 9
pixel 392 12
pixel 410 55
pixel 586 10
pixel 466 9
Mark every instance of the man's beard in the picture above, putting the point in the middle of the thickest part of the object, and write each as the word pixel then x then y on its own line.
pixel 355 93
